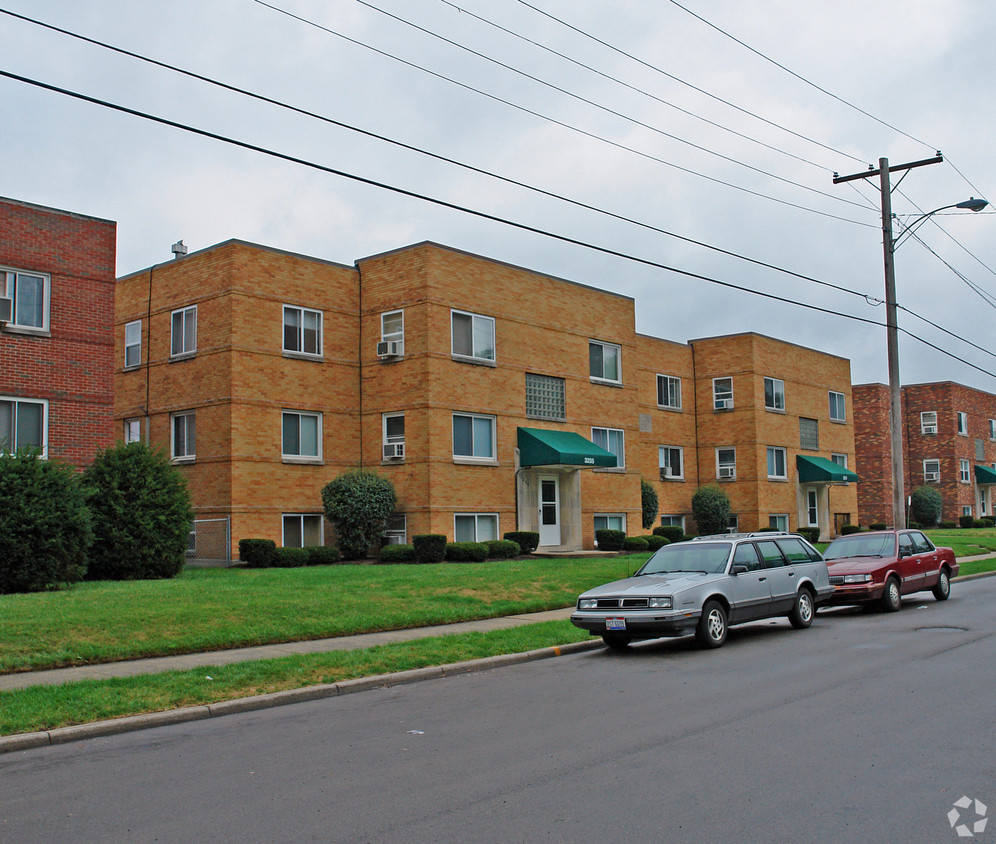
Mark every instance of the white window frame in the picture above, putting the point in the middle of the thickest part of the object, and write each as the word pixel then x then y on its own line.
pixel 992 429
pixel 777 392
pixel 620 457
pixel 928 422
pixel 397 335
pixel 779 521
pixel 290 457
pixel 189 312
pixel 838 407
pixel 664 459
pixel 10 278
pixel 841 460
pixel 722 475
pixel 391 439
pixel 132 430
pixel 966 510
pixel 928 472
pixel 474 457
pixel 190 423
pixel 962 420
pixel 774 451
pixel 300 338
pixel 669 389
pixel 133 343
pixel 722 399
pixel 395 535
pixel 601 377
pixel 669 519
pixel 620 516
pixel 302 517
pixel 475 320
pixel 965 471
pixel 733 526
pixel 15 401
pixel 477 530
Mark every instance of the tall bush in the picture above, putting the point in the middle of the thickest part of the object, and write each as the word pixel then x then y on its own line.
pixel 649 501
pixel 141 514
pixel 711 509
pixel 925 505
pixel 357 504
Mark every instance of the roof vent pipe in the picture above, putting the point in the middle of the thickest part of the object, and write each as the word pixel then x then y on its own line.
pixel 178 249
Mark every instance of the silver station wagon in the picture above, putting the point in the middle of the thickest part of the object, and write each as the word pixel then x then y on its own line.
pixel 706 584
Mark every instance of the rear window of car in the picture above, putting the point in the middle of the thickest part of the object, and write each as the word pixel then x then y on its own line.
pixel 770 553
pixel 796 551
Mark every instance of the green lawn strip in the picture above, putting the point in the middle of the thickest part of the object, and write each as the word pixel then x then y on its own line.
pixel 213 609
pixel 48 707
pixel 977 567
pixel 966 542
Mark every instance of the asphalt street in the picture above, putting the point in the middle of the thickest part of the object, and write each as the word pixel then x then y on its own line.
pixel 867 727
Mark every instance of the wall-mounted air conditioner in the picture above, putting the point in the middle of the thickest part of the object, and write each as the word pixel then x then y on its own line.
pixel 393 451
pixel 724 404
pixel 390 348
pixel 726 471
pixel 930 429
pixel 931 476
pixel 6 309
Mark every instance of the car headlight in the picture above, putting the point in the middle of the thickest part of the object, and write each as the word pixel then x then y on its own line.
pixel 660 603
pixel 857 578
pixel 587 603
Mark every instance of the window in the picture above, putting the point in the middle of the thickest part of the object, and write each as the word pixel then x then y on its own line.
pixel 771 554
pixel 396 531
pixel 23 425
pixel 302 331
pixel 774 394
pixel 992 429
pixel 928 422
pixel 133 343
pixel 838 412
pixel 302 530
pixel 29 294
pixel 613 441
pixel 965 471
pixel 473 437
pixel 546 397
pixel 966 511
pixel 610 521
pixel 133 430
pixel 905 545
pixel 392 326
pixel 776 463
pixel 733 525
pixel 183 336
pixel 183 436
pixel 840 460
pixel 394 436
pixel 921 544
pixel 983 501
pixel 475 527
pixel 604 361
pixel 678 521
pixel 671 462
pixel 779 521
pixel 726 463
pixel 931 470
pixel 746 555
pixel 809 433
pixel 722 393
pixel 473 336
pixel 301 435
pixel 669 392
pixel 962 423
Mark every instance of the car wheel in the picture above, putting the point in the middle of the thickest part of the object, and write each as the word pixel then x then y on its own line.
pixel 803 611
pixel 711 629
pixel 616 641
pixel 943 586
pixel 892 598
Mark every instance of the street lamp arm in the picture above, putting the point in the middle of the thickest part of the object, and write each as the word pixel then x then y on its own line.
pixel 973 205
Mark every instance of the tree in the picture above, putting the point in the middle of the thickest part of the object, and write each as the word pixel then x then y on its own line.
pixel 141 514
pixel 44 524
pixel 925 505
pixel 711 509
pixel 357 504
pixel 650 503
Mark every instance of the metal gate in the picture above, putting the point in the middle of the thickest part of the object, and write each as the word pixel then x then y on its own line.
pixel 210 542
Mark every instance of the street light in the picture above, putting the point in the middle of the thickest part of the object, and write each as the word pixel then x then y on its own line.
pixel 972 204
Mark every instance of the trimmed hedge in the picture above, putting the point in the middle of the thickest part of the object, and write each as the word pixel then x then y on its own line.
pixel 877 526
pixel 810 534
pixel 397 553
pixel 609 540
pixel 846 530
pixel 323 555
pixel 429 547
pixel 988 521
pixel 965 521
pixel 635 544
pixel 291 558
pixel 527 540
pixel 654 542
pixel 674 533
pixel 502 549
pixel 258 553
pixel 947 525
pixel 466 552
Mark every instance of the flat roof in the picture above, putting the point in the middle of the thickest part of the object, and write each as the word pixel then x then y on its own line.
pixel 48 209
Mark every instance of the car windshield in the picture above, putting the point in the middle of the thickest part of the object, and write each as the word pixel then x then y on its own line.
pixel 706 557
pixel 855 545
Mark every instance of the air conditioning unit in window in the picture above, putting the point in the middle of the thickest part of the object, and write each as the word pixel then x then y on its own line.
pixel 930 429
pixel 390 348
pixel 931 476
pixel 6 310
pixel 726 471
pixel 393 451
pixel 724 404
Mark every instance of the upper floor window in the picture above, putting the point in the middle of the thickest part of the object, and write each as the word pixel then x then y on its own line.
pixel 722 393
pixel 394 436
pixel 473 335
pixel 670 457
pixel 928 422
pixel 546 397
pixel 133 343
pixel 962 423
pixel 23 425
pixel 726 463
pixel 809 433
pixel 473 437
pixel 965 471
pixel 183 332
pixel 29 294
pixel 132 430
pixel 669 392
pixel 612 440
pixel 774 394
pixel 392 326
pixel 183 436
pixel 776 463
pixel 992 429
pixel 931 471
pixel 838 411
pixel 302 330
pixel 605 361
pixel 301 435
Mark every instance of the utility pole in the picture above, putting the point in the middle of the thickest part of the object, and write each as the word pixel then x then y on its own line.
pixel 892 325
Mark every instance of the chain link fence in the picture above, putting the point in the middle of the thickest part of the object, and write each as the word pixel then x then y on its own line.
pixel 209 543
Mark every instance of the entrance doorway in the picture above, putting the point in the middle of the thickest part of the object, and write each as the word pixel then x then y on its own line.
pixel 549 510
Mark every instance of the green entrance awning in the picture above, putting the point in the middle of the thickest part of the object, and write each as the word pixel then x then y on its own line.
pixel 821 470
pixel 985 475
pixel 539 447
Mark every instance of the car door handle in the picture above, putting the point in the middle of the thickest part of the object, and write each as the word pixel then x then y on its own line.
pixel 761 579
pixel 791 574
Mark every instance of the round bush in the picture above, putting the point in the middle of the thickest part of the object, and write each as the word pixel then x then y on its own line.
pixel 965 521
pixel 429 547
pixel 357 504
pixel 527 540
pixel 846 530
pixel 258 553
pixel 635 544
pixel 810 534
pixel 323 555
pixel 711 508
pixel 654 542
pixel 675 533
pixel 397 553
pixel 502 549
pixel 609 540
pixel 925 505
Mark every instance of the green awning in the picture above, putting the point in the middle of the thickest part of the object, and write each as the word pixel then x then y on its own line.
pixel 821 470
pixel 985 475
pixel 539 447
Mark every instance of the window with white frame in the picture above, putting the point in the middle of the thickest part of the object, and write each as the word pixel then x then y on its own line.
pixel 133 343
pixel 392 334
pixel 840 460
pixel 183 331
pixel 722 393
pixel 393 436
pixel 726 463
pixel 992 429
pixel 610 521
pixel 838 410
pixel 965 471
pixel 931 471
pixel 733 525
pixel 983 501
pixel 546 397
pixel 776 463
pixel 779 521
pixel 671 462
pixel 475 527
pixel 612 440
pixel 23 425
pixel 396 530
pixel 473 335
pixel 133 430
pixel 473 437
pixel 30 294
pixel 809 433
pixel 928 422
pixel 669 392
pixel 183 436
pixel 302 331
pixel 774 394
pixel 962 423
pixel 966 510
pixel 302 530
pixel 300 435
pixel 678 521
pixel 605 361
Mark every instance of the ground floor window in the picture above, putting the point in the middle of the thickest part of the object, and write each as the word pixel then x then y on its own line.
pixel 475 527
pixel 396 532
pixel 302 530
pixel 133 430
pixel 966 511
pixel 611 521
pixel 779 521
pixel 679 521
pixel 734 523
pixel 23 424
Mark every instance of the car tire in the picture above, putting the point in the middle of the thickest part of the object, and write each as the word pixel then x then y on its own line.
pixel 616 641
pixel 710 632
pixel 802 613
pixel 892 597
pixel 942 588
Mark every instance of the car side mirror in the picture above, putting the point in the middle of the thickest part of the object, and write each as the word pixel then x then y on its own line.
pixel 738 569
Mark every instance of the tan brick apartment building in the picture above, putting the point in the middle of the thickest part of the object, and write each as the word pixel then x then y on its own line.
pixel 949 441
pixel 493 397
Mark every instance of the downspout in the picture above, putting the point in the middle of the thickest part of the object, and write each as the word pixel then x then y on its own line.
pixel 695 416
pixel 359 352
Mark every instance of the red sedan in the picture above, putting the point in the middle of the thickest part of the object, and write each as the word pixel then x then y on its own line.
pixel 882 566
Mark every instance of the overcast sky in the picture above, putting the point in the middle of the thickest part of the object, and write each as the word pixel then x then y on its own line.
pixel 691 132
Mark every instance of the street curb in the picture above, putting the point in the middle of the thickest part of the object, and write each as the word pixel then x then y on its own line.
pixel 976 576
pixel 116 726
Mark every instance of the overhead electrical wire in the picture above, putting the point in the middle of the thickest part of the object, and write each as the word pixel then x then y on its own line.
pixel 463 209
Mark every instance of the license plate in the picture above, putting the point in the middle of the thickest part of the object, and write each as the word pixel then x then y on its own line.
pixel 615 624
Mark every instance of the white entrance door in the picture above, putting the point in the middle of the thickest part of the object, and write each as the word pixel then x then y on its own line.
pixel 549 510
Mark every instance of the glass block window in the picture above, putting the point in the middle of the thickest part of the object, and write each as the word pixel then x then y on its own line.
pixel 809 433
pixel 546 397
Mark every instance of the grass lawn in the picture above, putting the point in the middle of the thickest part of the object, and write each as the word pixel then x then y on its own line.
pixel 966 542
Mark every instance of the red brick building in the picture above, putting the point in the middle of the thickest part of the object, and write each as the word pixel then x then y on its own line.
pixel 57 342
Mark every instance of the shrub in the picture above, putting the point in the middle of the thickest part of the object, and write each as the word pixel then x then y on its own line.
pixel 925 505
pixel 429 547
pixel 527 540
pixel 767 529
pixel 466 552
pixel 988 521
pixel 258 553
pixel 502 549
pixel 648 496
pixel 914 525
pixel 289 558
pixel 965 521
pixel 357 504
pixel 654 541
pixel 978 523
pixel 635 544
pixel 397 553
pixel 877 526
pixel 846 530
pixel 674 533
pixel 609 540
pixel 810 534
pixel 711 508
pixel 141 514
pixel 323 555
pixel 44 524
pixel 947 525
